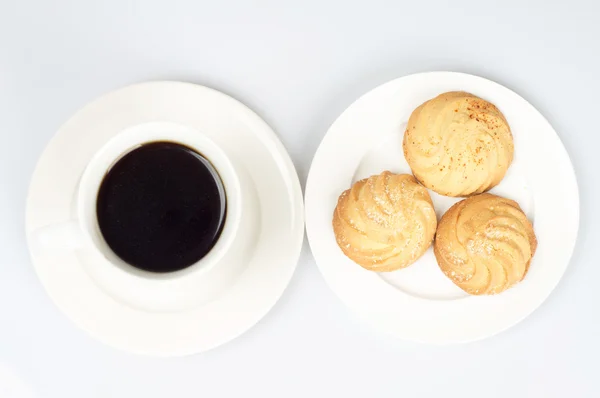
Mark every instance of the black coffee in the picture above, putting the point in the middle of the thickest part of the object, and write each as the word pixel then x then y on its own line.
pixel 161 207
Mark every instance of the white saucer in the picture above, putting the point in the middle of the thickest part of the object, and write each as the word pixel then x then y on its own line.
pixel 248 141
pixel 419 303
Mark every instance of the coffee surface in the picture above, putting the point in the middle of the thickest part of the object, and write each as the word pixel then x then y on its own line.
pixel 161 207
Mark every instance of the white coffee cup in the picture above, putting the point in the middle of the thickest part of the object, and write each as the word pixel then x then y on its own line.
pixel 194 285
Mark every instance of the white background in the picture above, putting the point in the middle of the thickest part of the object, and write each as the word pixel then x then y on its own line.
pixel 298 66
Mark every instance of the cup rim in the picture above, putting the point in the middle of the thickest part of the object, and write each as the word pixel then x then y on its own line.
pixel 131 138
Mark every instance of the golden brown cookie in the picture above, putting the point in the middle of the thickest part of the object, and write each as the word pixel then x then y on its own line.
pixel 484 244
pixel 458 144
pixel 384 222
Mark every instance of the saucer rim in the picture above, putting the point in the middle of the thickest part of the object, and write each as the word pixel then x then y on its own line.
pixel 290 184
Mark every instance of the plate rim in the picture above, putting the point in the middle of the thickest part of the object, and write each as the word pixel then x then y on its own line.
pixel 360 312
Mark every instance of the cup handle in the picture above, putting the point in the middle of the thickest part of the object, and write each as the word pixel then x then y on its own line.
pixel 57 238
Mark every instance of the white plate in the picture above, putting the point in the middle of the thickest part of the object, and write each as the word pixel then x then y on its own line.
pixel 247 140
pixel 419 303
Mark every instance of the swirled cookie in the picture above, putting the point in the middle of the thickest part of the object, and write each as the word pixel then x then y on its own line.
pixel 484 244
pixel 384 222
pixel 458 144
